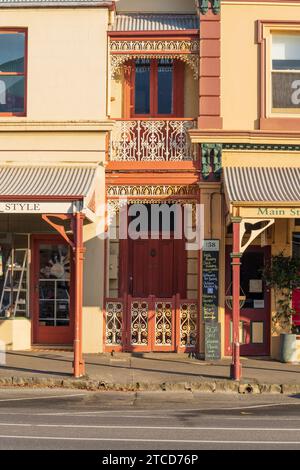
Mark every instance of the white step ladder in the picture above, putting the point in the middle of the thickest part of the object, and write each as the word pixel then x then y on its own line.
pixel 14 287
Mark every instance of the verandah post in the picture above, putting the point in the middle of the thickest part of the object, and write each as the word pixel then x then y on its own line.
pixel 236 368
pixel 78 365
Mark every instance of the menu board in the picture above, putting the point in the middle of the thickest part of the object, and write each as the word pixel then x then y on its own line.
pixel 210 280
pixel 212 341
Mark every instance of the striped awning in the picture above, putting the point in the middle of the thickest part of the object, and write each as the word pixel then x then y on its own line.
pixel 262 184
pixel 148 22
pixel 46 181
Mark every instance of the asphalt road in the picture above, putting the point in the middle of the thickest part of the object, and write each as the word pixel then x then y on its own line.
pixel 69 420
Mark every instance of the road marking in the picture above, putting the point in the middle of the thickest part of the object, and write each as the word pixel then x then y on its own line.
pixel 184 441
pixel 42 398
pixel 184 410
pixel 256 406
pixel 163 428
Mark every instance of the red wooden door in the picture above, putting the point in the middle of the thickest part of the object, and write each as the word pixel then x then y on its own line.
pixel 255 313
pixel 157 267
pixel 155 278
pixel 53 319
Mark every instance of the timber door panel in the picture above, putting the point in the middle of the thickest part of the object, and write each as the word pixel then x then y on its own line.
pixel 53 320
pixel 166 269
pixel 255 313
pixel 139 277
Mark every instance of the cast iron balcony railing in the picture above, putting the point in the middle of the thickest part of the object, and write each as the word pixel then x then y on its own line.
pixel 152 140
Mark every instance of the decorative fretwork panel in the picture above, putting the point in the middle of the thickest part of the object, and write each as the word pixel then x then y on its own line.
pixel 114 317
pixel 139 323
pixel 186 50
pixel 188 324
pixel 163 323
pixel 152 140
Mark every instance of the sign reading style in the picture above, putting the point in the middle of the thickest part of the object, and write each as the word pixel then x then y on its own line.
pixel 36 207
pixel 210 276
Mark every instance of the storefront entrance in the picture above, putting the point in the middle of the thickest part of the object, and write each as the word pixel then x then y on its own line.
pixel 53 321
pixel 254 302
pixel 153 304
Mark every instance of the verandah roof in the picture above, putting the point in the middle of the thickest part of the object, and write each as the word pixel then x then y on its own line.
pixel 262 184
pixel 46 181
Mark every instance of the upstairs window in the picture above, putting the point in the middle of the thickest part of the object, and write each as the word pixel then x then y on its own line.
pixel 286 73
pixel 12 72
pixel 157 86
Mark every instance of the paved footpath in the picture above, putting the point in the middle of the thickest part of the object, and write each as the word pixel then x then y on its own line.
pixel 152 371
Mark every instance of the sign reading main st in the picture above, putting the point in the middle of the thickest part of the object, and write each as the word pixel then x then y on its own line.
pixel 270 212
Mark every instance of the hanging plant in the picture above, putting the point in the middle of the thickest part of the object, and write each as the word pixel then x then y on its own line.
pixel 282 274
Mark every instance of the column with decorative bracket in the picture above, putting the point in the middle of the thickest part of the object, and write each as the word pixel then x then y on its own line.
pixel 78 250
pixel 236 368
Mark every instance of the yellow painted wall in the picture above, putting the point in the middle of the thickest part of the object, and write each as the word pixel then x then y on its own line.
pixel 67 61
pixel 191 93
pixel 49 147
pixel 116 100
pixel 16 334
pixel 240 59
pixel 260 159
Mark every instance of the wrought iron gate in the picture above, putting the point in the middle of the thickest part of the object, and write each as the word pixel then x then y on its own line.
pixel 151 324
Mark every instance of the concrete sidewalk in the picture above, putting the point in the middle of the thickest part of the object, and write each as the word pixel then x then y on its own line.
pixel 149 371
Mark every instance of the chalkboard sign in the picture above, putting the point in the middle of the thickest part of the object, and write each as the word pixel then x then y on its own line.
pixel 210 280
pixel 212 341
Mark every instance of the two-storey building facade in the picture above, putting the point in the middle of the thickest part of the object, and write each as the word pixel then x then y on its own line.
pixel 54 139
pixel 152 280
pixel 250 119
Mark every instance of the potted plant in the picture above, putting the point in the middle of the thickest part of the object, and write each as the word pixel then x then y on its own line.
pixel 282 274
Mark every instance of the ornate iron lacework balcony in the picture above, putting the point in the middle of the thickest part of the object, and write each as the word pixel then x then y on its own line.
pixel 152 140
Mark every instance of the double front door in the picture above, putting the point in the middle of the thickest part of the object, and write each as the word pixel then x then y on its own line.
pixel 156 274
pixel 255 312
pixel 52 291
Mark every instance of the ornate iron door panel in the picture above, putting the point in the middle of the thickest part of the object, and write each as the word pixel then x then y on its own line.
pixel 163 323
pixel 114 318
pixel 139 323
pixel 188 324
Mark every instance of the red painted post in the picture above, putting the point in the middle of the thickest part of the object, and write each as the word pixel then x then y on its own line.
pixel 236 368
pixel 78 365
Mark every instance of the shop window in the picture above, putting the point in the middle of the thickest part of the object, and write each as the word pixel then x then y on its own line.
pixel 285 73
pixel 13 275
pixel 12 72
pixel 54 285
pixel 252 284
pixel 142 87
pixel 296 245
pixel 157 88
